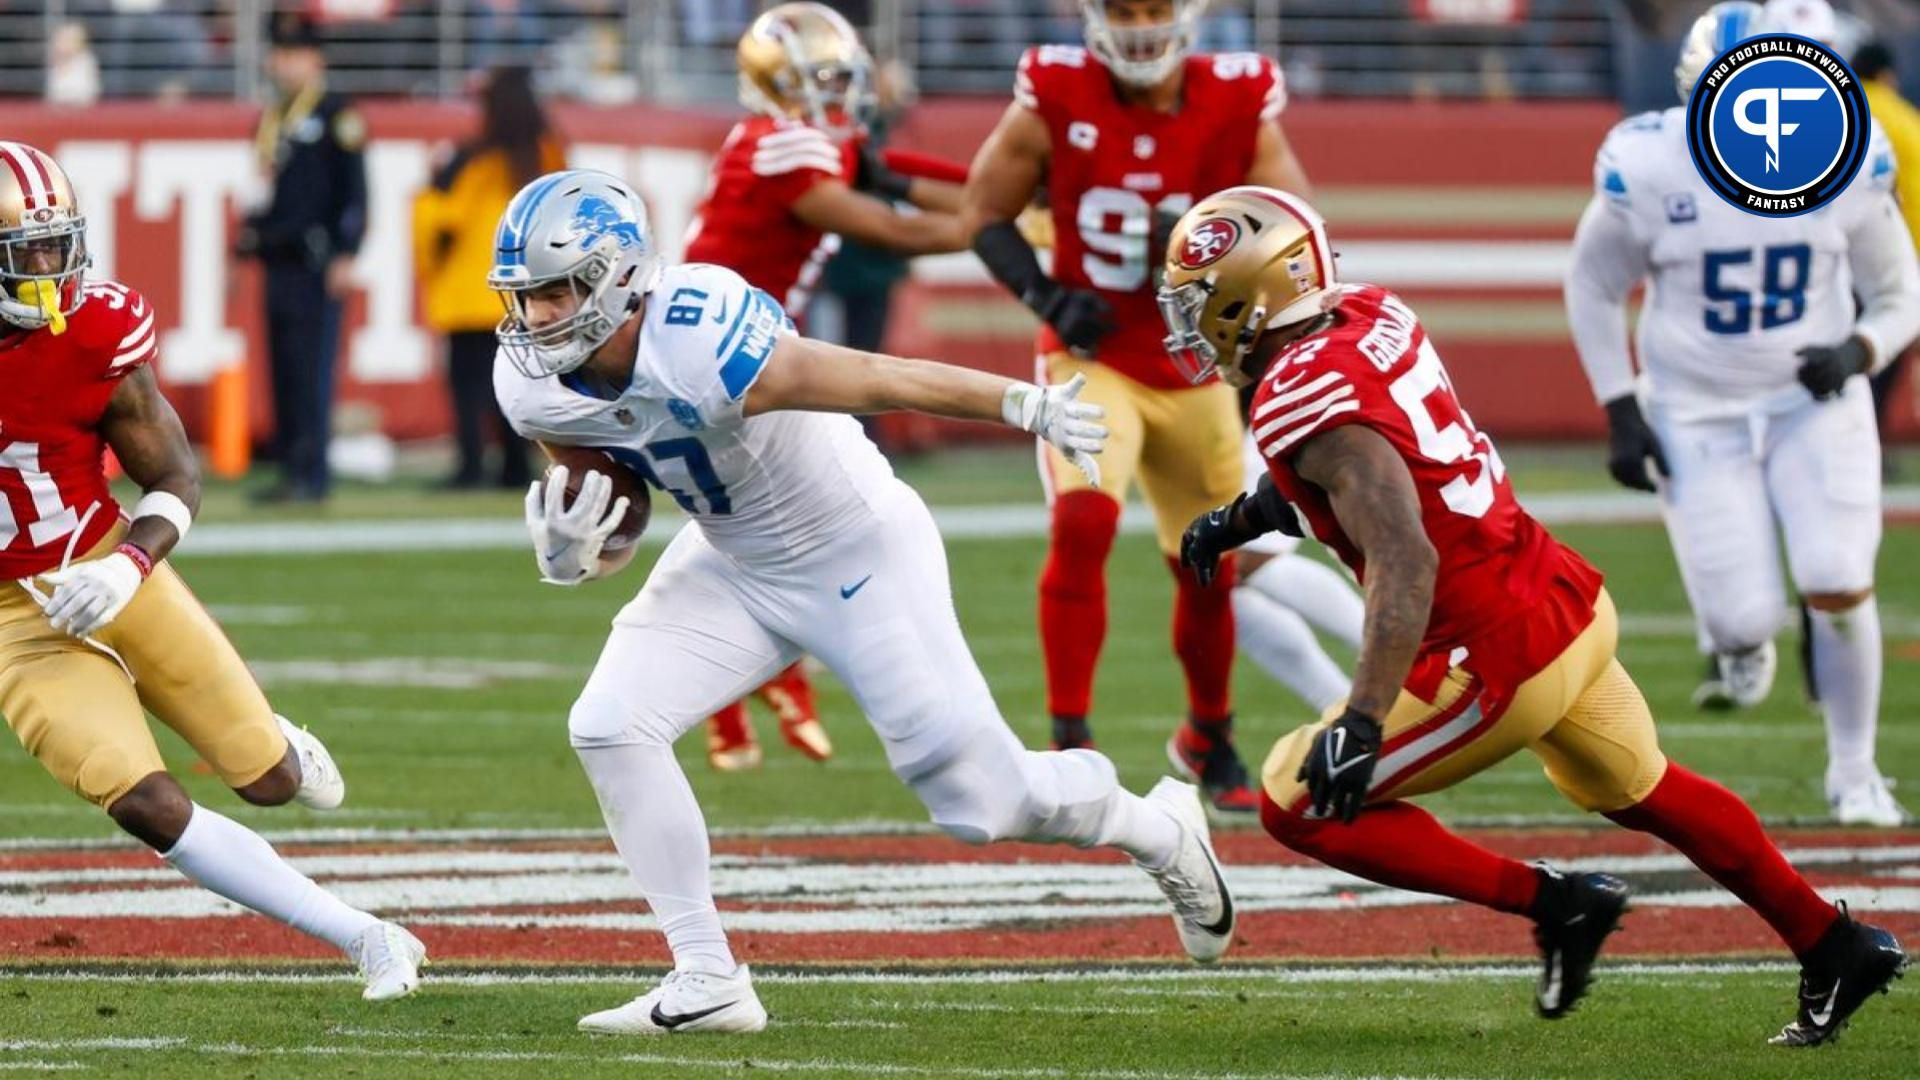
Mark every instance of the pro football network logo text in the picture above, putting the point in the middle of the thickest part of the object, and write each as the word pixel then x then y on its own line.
pixel 1778 125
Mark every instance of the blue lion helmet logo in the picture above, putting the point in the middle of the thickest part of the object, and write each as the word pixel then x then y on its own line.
pixel 596 217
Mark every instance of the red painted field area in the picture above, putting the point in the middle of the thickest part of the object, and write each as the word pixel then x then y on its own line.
pixel 902 898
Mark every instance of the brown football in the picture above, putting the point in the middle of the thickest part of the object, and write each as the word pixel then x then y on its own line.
pixel 581 460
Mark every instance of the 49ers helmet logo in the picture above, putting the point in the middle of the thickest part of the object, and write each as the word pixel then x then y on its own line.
pixel 1207 242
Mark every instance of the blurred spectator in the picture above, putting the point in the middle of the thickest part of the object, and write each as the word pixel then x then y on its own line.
pixel 503 32
pixel 453 229
pixel 976 33
pixel 73 74
pixel 715 22
pixel 1901 123
pixel 310 140
pixel 157 47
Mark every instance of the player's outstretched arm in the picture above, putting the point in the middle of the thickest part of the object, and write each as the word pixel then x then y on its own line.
pixel 832 206
pixel 814 376
pixel 146 436
pixel 1373 498
pixel 1886 277
pixel 1275 165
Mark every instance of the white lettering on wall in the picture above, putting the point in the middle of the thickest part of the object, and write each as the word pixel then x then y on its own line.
pixel 200 177
pixel 390 346
pixel 100 171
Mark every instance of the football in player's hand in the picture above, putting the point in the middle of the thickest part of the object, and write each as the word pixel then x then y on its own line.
pixel 582 460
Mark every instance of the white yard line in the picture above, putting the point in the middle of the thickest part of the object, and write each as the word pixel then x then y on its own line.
pixel 987 522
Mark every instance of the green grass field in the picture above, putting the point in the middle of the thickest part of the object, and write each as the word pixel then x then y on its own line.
pixel 441 680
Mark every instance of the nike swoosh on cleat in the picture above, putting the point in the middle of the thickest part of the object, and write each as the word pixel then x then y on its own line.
pixel 1219 927
pixel 1823 1015
pixel 671 1021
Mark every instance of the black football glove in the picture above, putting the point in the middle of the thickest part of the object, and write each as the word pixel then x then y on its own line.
pixel 1080 316
pixel 1339 765
pixel 872 176
pixel 1630 442
pixel 1210 536
pixel 1825 369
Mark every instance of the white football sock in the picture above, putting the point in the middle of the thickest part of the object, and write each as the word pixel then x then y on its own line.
pixel 1317 592
pixel 1283 645
pixel 661 835
pixel 1847 664
pixel 225 857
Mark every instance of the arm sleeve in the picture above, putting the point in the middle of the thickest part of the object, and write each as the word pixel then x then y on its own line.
pixel 1886 277
pixel 1608 260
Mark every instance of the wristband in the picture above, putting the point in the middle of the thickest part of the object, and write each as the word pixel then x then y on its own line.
pixel 140 558
pixel 168 507
pixel 1020 405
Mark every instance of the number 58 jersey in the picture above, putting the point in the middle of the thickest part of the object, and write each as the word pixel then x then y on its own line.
pixel 766 489
pixel 1732 297
pixel 1505 590
pixel 1115 165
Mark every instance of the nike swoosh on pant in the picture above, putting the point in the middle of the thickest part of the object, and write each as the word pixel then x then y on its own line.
pixel 669 1021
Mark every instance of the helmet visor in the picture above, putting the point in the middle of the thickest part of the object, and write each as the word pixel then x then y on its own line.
pixel 1182 307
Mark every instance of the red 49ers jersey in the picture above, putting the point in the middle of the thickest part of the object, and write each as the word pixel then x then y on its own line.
pixel 746 222
pixel 1114 164
pixel 53 391
pixel 1506 590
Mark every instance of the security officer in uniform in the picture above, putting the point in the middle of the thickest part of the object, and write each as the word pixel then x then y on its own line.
pixel 310 141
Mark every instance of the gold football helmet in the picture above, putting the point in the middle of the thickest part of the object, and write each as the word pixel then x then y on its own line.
pixel 805 60
pixel 43 246
pixel 1242 261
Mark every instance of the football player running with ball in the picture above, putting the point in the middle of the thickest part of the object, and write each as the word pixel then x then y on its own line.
pixel 96 628
pixel 1124 134
pixel 788 183
pixel 1483 634
pixel 1756 410
pixel 802 540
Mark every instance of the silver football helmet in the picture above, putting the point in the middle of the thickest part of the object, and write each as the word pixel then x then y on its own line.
pixel 588 230
pixel 1723 26
pixel 1141 55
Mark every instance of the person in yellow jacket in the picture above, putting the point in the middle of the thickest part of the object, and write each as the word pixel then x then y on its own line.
pixel 453 224
pixel 1898 117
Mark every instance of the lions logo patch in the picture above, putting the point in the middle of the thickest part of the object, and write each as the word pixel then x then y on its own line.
pixel 685 414
pixel 1778 125
pixel 1207 242
pixel 595 217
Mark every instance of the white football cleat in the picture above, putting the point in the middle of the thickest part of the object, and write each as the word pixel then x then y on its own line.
pixel 1870 802
pixel 321 785
pixel 1202 906
pixel 686 1002
pixel 1748 674
pixel 390 959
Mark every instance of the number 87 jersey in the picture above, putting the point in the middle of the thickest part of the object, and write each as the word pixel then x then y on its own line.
pixel 1114 166
pixel 1375 366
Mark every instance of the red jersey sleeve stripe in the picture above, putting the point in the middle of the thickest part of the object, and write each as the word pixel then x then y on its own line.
pixel 145 327
pixel 1326 381
pixel 796 161
pixel 1306 412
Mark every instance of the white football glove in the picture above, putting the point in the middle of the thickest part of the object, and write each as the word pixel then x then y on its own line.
pixel 1055 414
pixel 89 595
pixel 567 539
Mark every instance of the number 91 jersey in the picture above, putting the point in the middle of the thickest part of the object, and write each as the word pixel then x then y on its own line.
pixel 766 489
pixel 1498 566
pixel 1115 166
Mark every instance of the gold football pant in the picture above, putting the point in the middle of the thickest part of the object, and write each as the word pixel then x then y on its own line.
pixel 1581 715
pixel 82 713
pixel 1182 445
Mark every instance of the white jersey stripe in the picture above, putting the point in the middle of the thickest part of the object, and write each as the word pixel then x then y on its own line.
pixel 1280 446
pixel 797 162
pixel 144 328
pixel 1309 411
pixel 1314 387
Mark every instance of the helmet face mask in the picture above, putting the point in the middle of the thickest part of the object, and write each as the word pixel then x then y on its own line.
pixel 805 60
pixel 572 257
pixel 1141 55
pixel 43 244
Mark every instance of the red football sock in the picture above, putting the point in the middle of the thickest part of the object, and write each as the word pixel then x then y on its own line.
pixel 1713 827
pixel 1399 844
pixel 790 695
pixel 728 727
pixel 1073 597
pixel 1203 639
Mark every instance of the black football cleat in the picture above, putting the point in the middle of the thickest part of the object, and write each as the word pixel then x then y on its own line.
pixel 1072 733
pixel 1572 917
pixel 1852 963
pixel 1209 760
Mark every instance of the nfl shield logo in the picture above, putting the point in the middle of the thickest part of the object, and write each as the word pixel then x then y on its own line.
pixel 624 415
pixel 1681 209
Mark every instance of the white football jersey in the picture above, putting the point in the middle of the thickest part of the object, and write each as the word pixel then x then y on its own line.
pixel 1731 296
pixel 766 488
